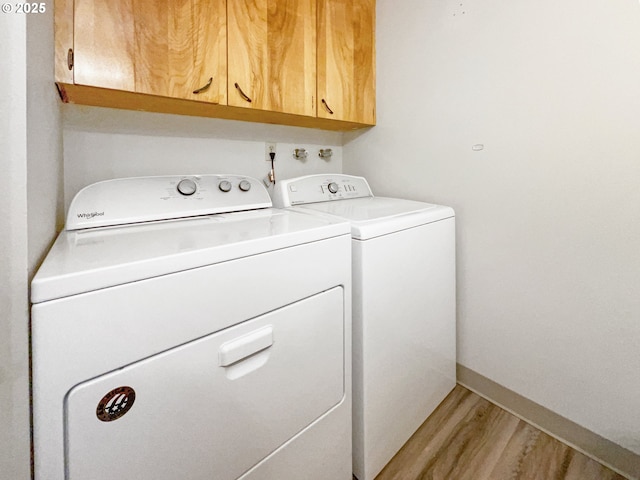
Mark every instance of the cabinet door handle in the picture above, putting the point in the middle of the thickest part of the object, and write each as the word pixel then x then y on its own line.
pixel 204 88
pixel 244 95
pixel 324 102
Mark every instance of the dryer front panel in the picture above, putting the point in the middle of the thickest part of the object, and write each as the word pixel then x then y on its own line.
pixel 214 407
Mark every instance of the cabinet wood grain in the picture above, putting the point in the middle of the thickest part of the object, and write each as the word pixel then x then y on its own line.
pixel 346 60
pixel 272 55
pixel 63 39
pixel 104 41
pixel 143 47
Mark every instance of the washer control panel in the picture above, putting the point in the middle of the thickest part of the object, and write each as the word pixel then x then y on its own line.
pixel 319 188
pixel 143 199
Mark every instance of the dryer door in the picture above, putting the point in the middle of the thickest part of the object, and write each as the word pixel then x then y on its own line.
pixel 215 407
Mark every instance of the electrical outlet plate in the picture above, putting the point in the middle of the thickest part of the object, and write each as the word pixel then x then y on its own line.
pixel 269 147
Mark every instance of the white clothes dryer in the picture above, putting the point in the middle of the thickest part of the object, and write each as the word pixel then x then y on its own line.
pixel 404 307
pixel 184 329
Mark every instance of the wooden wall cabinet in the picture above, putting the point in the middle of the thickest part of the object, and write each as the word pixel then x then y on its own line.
pixel 265 61
pixel 272 53
pixel 346 60
pixel 178 51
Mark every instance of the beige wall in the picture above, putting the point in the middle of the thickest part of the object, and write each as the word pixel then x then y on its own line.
pixel 549 211
pixel 102 143
pixel 30 204
pixel 44 141
pixel 14 359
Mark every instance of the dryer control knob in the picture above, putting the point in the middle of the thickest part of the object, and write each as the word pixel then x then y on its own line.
pixel 187 187
pixel 225 186
pixel 245 185
pixel 333 187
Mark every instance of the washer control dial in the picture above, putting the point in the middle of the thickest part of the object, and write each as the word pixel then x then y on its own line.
pixel 225 186
pixel 245 185
pixel 187 187
pixel 333 187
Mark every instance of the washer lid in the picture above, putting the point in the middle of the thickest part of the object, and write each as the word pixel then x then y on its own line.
pixel 375 216
pixel 86 260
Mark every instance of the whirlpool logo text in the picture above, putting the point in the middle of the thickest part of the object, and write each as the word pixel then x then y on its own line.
pixel 90 215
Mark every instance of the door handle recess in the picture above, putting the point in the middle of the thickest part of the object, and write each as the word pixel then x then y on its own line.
pixel 242 347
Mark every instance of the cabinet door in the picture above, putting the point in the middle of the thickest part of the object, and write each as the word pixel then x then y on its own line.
pixel 272 55
pixel 346 60
pixel 168 48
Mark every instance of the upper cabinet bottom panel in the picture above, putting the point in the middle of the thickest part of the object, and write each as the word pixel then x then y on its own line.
pixel 102 97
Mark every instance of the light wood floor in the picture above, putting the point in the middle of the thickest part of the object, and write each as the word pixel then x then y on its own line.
pixel 469 438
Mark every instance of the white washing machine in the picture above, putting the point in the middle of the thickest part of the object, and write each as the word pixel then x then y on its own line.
pixel 183 329
pixel 404 307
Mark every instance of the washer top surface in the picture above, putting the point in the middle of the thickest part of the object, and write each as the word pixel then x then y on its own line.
pixel 351 199
pixel 87 259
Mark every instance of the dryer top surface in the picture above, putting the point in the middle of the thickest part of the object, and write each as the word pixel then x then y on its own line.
pixel 86 260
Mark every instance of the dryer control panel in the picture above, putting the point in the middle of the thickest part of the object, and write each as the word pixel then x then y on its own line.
pixel 144 199
pixel 319 188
